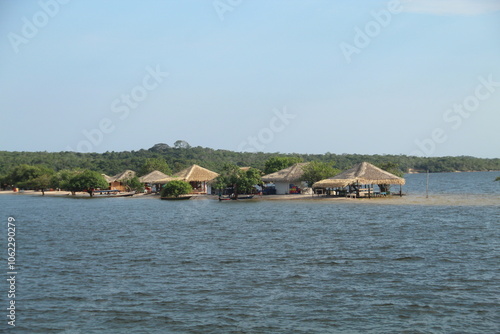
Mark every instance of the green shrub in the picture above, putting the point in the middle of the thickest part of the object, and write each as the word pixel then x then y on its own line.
pixel 176 188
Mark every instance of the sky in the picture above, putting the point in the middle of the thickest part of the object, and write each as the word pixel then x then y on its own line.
pixel 413 77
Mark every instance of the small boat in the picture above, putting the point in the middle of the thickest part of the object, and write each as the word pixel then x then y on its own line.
pixel 180 198
pixel 245 197
pixel 229 198
pixel 129 194
pixel 112 193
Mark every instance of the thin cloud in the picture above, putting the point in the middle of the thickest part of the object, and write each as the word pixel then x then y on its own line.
pixel 451 7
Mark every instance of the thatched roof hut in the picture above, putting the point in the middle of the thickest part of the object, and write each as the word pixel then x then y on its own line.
pixel 362 173
pixel 196 173
pixel 128 174
pixel 108 179
pixel 156 177
pixel 293 173
pixel 198 177
pixel 117 182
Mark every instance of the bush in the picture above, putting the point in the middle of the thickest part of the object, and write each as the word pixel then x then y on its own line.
pixel 134 184
pixel 176 188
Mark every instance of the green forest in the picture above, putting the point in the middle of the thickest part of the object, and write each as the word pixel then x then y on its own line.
pixel 179 157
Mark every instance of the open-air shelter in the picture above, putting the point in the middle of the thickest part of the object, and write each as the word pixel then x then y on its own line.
pixel 200 178
pixel 117 182
pixel 362 174
pixel 156 179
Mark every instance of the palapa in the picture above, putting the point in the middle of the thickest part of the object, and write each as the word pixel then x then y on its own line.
pixel 195 173
pixel 362 173
pixel 330 183
pixel 293 173
pixel 108 179
pixel 126 175
pixel 156 177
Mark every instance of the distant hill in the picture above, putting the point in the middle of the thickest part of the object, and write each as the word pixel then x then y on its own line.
pixel 181 156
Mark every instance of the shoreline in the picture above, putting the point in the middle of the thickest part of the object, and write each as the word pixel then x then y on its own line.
pixel 55 193
pixel 418 171
pixel 416 199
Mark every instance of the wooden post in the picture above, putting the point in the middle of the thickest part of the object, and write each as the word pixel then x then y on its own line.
pixel 427 186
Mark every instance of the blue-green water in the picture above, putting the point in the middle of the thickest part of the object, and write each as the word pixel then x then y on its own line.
pixel 139 265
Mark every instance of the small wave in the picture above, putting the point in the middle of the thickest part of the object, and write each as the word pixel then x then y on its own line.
pixel 409 258
pixel 449 261
pixel 322 263
pixel 230 261
pixel 295 276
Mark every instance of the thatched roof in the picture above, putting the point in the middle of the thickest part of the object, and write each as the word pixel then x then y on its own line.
pixel 362 173
pixel 196 173
pixel 128 174
pixel 108 179
pixel 155 177
pixel 331 183
pixel 293 173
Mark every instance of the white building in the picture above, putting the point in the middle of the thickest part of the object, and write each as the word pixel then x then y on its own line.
pixel 287 178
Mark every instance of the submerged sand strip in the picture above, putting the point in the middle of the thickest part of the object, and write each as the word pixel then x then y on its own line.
pixel 433 200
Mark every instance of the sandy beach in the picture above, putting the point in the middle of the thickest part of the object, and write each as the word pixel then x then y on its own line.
pixel 54 193
pixel 433 200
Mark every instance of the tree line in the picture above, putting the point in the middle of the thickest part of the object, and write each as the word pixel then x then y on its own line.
pixel 173 159
pixel 182 155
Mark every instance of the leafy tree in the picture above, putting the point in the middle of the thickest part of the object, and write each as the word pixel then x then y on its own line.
pixel 275 164
pixel 240 180
pixel 35 177
pixel 41 182
pixel 3 183
pixel 61 179
pixel 87 181
pixel 152 164
pixel 176 188
pixel 316 171
pixel 21 175
pixel 159 147
pixel 248 179
pixel 228 177
pixel 134 184
pixel 182 144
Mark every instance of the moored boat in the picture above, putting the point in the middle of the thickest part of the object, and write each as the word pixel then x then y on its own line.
pixel 229 198
pixel 180 198
pixel 112 193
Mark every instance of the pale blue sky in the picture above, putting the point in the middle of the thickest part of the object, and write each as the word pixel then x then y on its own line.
pixel 232 65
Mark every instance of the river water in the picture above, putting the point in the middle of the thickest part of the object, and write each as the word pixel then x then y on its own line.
pixel 141 265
